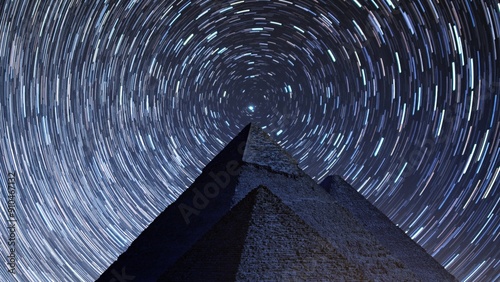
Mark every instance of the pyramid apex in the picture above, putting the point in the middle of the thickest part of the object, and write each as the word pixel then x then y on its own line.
pixel 261 149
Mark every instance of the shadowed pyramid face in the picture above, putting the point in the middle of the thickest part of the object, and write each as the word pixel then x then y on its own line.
pixel 293 218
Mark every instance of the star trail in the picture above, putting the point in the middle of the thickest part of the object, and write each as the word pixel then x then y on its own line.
pixel 110 109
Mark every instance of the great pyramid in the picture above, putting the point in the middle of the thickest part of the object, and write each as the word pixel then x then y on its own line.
pixel 254 215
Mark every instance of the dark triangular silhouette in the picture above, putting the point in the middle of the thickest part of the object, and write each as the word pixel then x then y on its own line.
pixel 183 222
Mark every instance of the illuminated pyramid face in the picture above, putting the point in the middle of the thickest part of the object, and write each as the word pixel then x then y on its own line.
pixel 253 214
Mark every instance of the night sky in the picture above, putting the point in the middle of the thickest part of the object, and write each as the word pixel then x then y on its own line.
pixel 110 109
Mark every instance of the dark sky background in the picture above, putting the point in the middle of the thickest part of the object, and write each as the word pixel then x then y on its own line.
pixel 110 109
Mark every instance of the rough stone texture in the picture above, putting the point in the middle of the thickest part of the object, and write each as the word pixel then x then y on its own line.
pixel 261 239
pixel 386 232
pixel 333 222
pixel 170 241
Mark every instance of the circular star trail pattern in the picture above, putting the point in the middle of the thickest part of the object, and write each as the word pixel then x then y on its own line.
pixel 110 109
